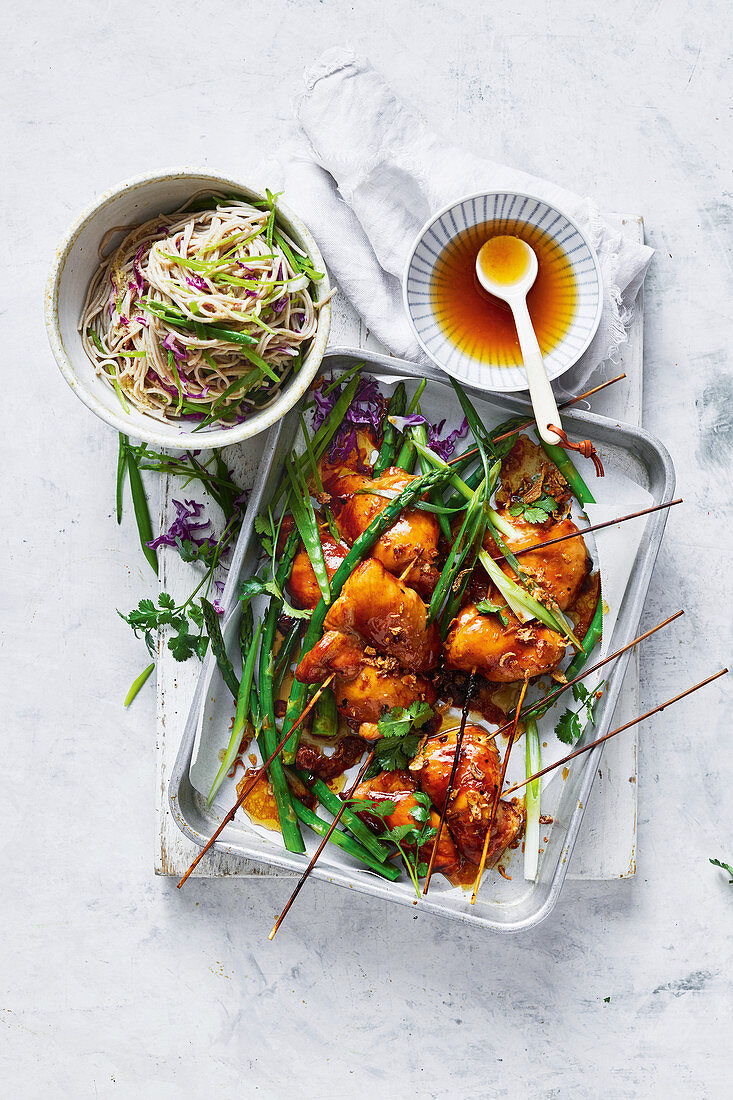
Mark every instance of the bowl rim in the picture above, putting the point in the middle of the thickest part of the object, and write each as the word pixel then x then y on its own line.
pixel 222 437
pixel 519 195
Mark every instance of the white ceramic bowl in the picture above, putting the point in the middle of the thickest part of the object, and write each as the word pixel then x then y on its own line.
pixel 131 203
pixel 502 209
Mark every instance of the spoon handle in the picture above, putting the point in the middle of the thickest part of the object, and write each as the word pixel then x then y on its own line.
pixel 540 390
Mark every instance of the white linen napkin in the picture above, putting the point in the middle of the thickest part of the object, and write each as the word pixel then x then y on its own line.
pixel 368 173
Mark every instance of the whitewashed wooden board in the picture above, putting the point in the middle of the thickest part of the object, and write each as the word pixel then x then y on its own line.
pixel 606 848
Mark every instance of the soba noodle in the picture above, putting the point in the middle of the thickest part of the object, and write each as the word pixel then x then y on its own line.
pixel 203 314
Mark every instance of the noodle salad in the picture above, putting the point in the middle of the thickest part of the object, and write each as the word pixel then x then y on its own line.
pixel 204 313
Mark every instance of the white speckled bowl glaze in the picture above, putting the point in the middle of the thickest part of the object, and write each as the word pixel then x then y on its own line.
pixel 131 203
pixel 507 207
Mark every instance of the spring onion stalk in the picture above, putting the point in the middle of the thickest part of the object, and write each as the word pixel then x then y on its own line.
pixel 395 407
pixel 142 512
pixel 292 837
pixel 121 467
pixel 305 521
pixel 501 524
pixel 532 801
pixel 210 332
pixel 342 378
pixel 420 435
pixel 406 455
pixel 381 522
pixel 343 840
pixel 472 480
pixel 354 824
pixel 317 482
pixel 523 605
pixel 249 642
pixel 457 555
pixel 565 465
pixel 435 460
pixel 138 683
pixel 285 653
pixel 325 718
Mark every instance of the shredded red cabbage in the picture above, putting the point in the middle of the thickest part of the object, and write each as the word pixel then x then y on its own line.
pixel 196 282
pixel 182 527
pixel 445 447
pixel 366 411
pixel 179 353
pixel 138 283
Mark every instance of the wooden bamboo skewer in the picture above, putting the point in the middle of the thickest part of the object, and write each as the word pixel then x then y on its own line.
pixel 321 846
pixel 606 737
pixel 593 527
pixel 451 781
pixel 497 793
pixel 255 779
pixel 528 423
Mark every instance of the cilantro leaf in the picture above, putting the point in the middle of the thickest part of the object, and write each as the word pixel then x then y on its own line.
pixel 572 723
pixel 409 839
pixel 399 736
pixel 568 728
pixel 580 692
pixel 264 528
pixel 725 866
pixel 538 511
pixel 485 607
pixel 256 586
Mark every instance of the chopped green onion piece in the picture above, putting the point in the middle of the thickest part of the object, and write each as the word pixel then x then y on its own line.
pixel 138 683
pixel 533 764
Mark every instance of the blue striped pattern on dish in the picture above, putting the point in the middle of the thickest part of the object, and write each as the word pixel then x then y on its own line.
pixel 503 208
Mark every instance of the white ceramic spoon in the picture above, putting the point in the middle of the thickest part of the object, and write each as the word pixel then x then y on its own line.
pixel 507 268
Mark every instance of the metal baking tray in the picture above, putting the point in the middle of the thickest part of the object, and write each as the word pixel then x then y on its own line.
pixel 501 906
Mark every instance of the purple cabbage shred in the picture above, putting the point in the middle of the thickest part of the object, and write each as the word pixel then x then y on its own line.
pixel 196 282
pixel 445 447
pixel 366 411
pixel 183 528
pixel 179 353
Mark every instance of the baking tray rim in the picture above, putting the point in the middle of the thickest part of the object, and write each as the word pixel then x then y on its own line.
pixel 637 441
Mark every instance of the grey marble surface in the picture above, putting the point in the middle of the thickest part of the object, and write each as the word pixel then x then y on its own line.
pixel 116 984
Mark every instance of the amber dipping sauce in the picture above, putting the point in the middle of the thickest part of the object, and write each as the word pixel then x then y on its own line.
pixel 481 325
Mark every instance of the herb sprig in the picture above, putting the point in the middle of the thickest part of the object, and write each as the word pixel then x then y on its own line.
pixel 409 839
pixel 572 722
pixel 486 607
pixel 725 866
pixel 400 737
pixel 538 511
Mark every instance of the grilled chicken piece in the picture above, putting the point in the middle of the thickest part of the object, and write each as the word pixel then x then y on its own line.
pixel 474 790
pixel 501 653
pixel 559 570
pixel 413 538
pixel 387 615
pixel 399 787
pixel 302 585
pixel 366 685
